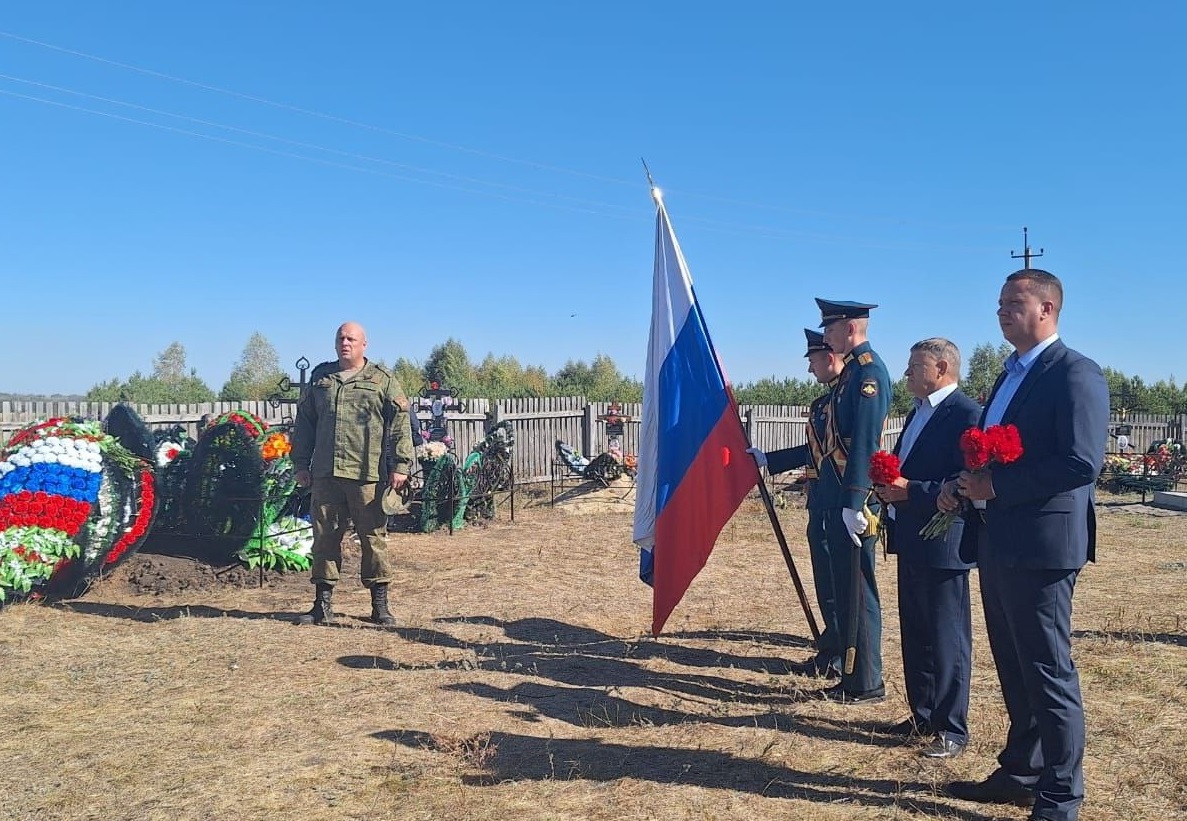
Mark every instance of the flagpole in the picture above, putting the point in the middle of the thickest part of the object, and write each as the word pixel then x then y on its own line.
pixel 768 503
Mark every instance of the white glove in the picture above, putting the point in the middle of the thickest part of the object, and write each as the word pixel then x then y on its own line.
pixel 760 458
pixel 855 523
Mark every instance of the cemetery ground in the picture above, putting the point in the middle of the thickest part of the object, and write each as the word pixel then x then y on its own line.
pixel 521 683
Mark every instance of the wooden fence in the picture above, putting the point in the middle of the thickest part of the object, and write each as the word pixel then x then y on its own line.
pixel 538 424
pixel 1145 429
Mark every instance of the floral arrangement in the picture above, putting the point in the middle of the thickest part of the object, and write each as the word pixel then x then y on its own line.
pixel 488 469
pixel 431 450
pixel 629 461
pixel 287 545
pixel 884 468
pixel 238 480
pixel 172 451
pixel 444 493
pixel 995 445
pixel 60 496
pixel 274 446
pixel 167 451
pixel 1165 460
pixel 1117 464
pixel 252 425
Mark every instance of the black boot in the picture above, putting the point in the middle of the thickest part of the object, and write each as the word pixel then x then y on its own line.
pixel 321 613
pixel 379 612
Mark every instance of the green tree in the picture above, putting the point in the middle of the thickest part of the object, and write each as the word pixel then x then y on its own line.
pixel 536 381
pixel 169 365
pixel 772 391
pixel 504 378
pixel 900 398
pixel 152 390
pixel 450 364
pixel 410 375
pixel 598 381
pixel 982 368
pixel 169 384
pixel 257 374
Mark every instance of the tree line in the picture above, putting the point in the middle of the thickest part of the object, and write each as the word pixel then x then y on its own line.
pixel 257 375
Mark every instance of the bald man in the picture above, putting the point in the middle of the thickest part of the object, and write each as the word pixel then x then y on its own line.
pixel 351 440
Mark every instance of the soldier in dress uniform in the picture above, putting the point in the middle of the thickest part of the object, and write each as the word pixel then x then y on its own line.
pixel 856 411
pixel 826 367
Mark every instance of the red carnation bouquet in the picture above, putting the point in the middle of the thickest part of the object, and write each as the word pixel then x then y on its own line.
pixel 884 468
pixel 996 445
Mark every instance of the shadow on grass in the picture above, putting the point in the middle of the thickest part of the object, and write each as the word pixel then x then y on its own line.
pixel 155 614
pixel 596 709
pixel 570 654
pixel 558 636
pixel 591 663
pixel 1133 636
pixel 342 621
pixel 511 757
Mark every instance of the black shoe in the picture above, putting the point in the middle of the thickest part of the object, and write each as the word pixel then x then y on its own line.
pixel 379 612
pixel 943 747
pixel 908 728
pixel 996 789
pixel 817 668
pixel 840 695
pixel 322 611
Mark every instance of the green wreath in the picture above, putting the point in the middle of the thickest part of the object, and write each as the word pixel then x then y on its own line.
pixel 445 485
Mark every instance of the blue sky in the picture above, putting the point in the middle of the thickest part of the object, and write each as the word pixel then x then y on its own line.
pixel 472 170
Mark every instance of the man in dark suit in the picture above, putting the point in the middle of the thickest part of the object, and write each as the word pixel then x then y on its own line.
pixel 935 621
pixel 1035 528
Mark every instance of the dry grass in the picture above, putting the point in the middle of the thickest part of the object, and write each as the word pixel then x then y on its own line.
pixel 520 684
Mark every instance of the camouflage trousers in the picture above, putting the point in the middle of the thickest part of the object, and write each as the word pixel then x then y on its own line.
pixel 336 502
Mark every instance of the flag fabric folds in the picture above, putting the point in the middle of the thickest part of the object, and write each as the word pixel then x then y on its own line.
pixel 693 467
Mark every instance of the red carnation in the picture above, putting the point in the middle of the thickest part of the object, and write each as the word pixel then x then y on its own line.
pixel 1005 443
pixel 884 468
pixel 975 446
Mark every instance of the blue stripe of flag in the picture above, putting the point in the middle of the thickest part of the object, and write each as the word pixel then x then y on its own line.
pixel 692 398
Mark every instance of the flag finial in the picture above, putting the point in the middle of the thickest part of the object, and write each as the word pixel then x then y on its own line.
pixel 656 194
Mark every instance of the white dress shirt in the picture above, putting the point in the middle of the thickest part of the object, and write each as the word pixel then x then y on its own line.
pixel 924 410
pixel 1017 367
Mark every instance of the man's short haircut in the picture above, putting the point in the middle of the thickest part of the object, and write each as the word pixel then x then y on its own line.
pixel 940 348
pixel 1045 283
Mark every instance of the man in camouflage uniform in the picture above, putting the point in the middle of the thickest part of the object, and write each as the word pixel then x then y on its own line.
pixel 826 366
pixel 351 440
pixel 857 413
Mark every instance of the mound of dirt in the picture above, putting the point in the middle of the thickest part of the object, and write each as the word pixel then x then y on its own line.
pixel 152 575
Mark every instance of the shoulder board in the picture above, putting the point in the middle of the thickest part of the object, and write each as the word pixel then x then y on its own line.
pixel 322 369
pixel 379 368
pixel 865 358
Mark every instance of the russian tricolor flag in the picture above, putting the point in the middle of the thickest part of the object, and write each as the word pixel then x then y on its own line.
pixel 693 467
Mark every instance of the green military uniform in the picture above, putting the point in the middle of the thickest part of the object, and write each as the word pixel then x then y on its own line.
pixel 809 456
pixel 351 432
pixel 857 411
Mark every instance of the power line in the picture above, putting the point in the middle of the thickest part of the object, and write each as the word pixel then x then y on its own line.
pixel 311 113
pixel 467 149
pixel 305 145
pixel 292 155
pixel 617 212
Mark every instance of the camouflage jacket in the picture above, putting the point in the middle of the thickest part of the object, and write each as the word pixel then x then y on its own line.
pixel 356 428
